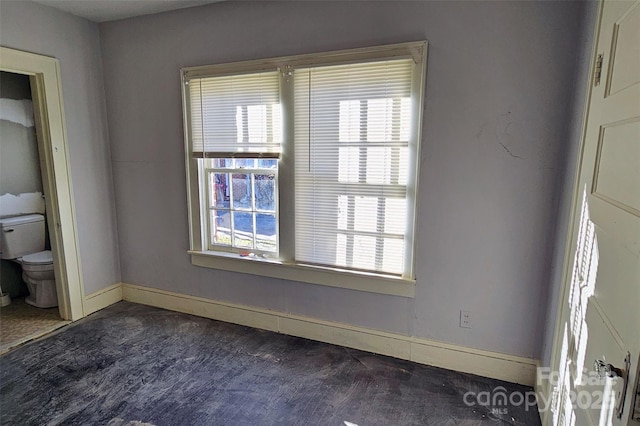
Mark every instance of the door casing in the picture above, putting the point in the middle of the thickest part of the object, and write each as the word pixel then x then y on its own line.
pixel 571 242
pixel 46 91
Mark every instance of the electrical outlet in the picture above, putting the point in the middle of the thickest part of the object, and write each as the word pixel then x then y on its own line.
pixel 465 319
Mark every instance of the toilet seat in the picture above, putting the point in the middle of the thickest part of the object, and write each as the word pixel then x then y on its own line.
pixel 38 274
pixel 39 258
pixel 36 263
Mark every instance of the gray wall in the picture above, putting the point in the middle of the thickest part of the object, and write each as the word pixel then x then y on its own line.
pixel 498 162
pixel 19 168
pixel 19 164
pixel 499 97
pixel 570 164
pixel 76 43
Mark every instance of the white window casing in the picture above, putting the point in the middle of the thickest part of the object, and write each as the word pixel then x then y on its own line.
pixel 345 127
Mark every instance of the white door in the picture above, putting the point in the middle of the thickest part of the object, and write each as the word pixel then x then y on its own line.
pixel 600 346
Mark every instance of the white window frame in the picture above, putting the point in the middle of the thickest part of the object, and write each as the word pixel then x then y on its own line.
pixel 207 168
pixel 286 267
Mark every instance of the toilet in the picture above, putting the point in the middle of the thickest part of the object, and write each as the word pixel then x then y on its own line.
pixel 22 240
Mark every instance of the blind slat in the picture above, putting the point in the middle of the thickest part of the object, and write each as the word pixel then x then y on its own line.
pixel 236 115
pixel 352 139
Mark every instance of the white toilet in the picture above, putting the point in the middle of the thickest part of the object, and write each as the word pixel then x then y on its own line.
pixel 22 241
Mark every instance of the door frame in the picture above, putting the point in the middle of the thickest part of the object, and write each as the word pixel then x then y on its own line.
pixel 570 245
pixel 46 92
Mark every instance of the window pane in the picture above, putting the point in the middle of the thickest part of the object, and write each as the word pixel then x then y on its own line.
pixel 393 259
pixel 267 164
pixel 395 216
pixel 404 166
pixel 341 250
pixel 348 164
pixel 343 212
pixel 265 192
pixel 243 230
pixel 266 232
pixel 257 123
pixel 220 190
pixel 241 191
pixel 249 198
pixel 245 163
pixel 223 163
pixel 220 227
pixel 366 214
pixel 380 166
pixel 380 120
pixel 364 252
pixel 388 120
pixel 349 127
pixel 405 119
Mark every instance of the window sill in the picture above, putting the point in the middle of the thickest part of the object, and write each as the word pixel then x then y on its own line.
pixel 354 280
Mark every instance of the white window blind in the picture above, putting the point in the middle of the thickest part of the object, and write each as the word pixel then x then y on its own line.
pixel 235 115
pixel 353 143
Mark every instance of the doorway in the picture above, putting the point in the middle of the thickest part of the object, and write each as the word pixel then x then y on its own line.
pixel 22 199
pixel 46 93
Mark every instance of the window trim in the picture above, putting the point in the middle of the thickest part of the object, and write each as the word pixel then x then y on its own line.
pixel 305 273
pixel 287 268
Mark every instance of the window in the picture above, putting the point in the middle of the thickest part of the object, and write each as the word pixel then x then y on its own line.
pixel 236 137
pixel 243 197
pixel 309 161
pixel 352 154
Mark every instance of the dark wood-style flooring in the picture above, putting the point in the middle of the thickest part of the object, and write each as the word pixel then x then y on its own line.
pixel 137 365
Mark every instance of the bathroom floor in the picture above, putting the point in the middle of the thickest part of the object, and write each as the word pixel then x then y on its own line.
pixel 21 322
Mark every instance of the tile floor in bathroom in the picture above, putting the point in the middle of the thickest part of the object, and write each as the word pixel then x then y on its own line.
pixel 21 322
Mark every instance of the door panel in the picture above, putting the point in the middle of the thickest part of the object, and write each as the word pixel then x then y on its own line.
pixel 625 65
pixel 618 165
pixel 602 306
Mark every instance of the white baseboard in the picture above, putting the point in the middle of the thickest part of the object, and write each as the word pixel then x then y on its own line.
pixel 102 298
pixel 484 363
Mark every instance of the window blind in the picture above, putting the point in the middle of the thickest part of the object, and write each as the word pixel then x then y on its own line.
pixel 235 115
pixel 352 139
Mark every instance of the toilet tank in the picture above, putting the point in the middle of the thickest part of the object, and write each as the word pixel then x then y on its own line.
pixel 20 235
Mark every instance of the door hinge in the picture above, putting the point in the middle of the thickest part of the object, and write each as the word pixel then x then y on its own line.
pixel 598 72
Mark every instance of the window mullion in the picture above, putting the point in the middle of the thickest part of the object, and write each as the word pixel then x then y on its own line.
pixel 253 209
pixel 231 208
pixel 208 222
pixel 285 208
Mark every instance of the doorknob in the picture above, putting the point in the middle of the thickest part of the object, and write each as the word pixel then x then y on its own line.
pixel 607 370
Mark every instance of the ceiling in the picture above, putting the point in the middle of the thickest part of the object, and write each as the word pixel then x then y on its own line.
pixel 111 10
